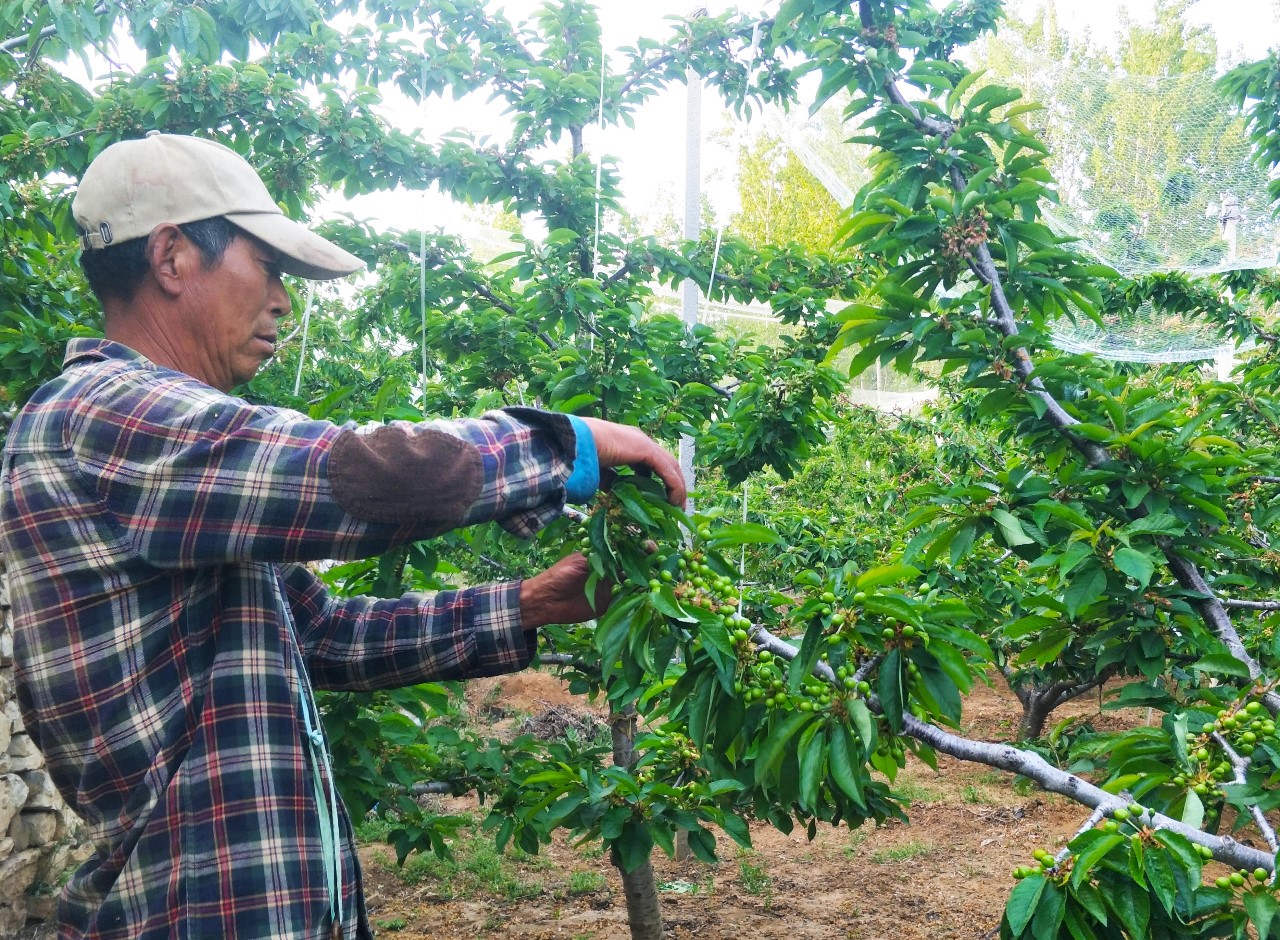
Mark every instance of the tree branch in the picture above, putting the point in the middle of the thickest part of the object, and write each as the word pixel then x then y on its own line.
pixel 1031 765
pixel 1239 766
pixel 1250 605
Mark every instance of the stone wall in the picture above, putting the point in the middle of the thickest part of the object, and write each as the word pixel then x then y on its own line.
pixel 37 830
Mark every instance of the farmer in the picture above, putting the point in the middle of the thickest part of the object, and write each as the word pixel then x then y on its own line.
pixel 167 635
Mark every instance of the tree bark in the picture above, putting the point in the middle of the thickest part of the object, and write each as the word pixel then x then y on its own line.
pixel 644 916
pixel 1034 714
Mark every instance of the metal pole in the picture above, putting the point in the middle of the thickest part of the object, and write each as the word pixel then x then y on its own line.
pixel 689 292
pixel 692 229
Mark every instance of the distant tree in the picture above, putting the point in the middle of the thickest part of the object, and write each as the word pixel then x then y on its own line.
pixel 781 200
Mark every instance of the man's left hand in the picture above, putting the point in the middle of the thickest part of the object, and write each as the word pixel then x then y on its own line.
pixel 559 594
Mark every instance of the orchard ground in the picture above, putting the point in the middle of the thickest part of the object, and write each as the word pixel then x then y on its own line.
pixel 945 875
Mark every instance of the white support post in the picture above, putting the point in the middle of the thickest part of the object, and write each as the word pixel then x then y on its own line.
pixel 692 229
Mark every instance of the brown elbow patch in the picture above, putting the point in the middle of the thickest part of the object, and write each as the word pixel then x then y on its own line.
pixel 405 477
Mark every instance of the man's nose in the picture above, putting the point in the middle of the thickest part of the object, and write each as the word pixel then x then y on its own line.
pixel 279 302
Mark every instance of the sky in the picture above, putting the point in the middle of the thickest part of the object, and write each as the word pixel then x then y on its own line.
pixel 651 156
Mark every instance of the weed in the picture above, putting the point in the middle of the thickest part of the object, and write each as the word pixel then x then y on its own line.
pixel 755 880
pixel 585 882
pixel 916 792
pixel 972 794
pixel 901 853
pixel 391 924
pixel 856 838
pixel 374 829
pixel 476 867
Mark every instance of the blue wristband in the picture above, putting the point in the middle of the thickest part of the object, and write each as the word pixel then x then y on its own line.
pixel 585 479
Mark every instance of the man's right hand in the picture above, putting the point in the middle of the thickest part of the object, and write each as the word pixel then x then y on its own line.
pixel 619 445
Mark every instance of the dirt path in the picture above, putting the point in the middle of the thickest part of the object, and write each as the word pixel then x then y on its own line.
pixel 944 875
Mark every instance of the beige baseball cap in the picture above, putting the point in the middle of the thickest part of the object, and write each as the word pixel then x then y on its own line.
pixel 135 185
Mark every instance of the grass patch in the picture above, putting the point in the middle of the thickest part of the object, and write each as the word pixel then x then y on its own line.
pixel 391 924
pixel 856 838
pixel 476 868
pixel 585 882
pixel 901 853
pixel 755 880
pixel 972 794
pixel 916 792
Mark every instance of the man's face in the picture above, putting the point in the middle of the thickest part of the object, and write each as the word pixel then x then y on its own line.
pixel 234 312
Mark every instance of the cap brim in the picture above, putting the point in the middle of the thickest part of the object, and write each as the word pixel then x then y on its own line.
pixel 302 251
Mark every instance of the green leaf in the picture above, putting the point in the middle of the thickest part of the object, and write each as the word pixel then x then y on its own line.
pixel 1022 903
pixel 843 769
pixel 665 602
pixel 703 845
pixel 889 686
pixel 1261 909
pixel 571 405
pixel 802 665
pixel 743 533
pixel 1091 848
pixel 1160 879
pixel 1193 810
pixel 1010 528
pixel 634 845
pixel 1131 905
pixel 1086 588
pixel 813 763
pixel 881 575
pixel 775 745
pixel 1135 564
pixel 863 723
pixel 1222 664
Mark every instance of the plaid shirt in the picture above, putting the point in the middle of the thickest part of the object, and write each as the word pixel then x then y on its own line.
pixel 152 527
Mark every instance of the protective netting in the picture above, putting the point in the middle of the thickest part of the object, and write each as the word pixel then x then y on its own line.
pixel 1154 173
pixel 1145 335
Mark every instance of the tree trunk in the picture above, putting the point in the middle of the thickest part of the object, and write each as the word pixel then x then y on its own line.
pixel 644 916
pixel 1035 710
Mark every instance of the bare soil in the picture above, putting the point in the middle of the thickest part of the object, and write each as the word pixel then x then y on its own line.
pixel 943 875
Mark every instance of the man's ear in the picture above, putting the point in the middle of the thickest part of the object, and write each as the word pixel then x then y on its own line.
pixel 168 255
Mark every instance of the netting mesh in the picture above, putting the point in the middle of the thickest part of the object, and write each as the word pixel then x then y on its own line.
pixel 1154 173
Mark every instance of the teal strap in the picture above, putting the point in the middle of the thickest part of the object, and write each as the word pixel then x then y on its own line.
pixel 326 803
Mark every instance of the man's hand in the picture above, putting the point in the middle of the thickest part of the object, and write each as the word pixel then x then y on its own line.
pixel 620 445
pixel 559 594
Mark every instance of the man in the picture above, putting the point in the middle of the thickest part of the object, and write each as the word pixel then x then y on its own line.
pixel 166 635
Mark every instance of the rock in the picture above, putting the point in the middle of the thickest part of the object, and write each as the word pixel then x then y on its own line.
pixel 7 684
pixel 42 827
pixel 14 714
pixel 42 907
pixel 23 754
pixel 17 874
pixel 18 834
pixel 43 794
pixel 6 647
pixel 6 847
pixel 13 796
